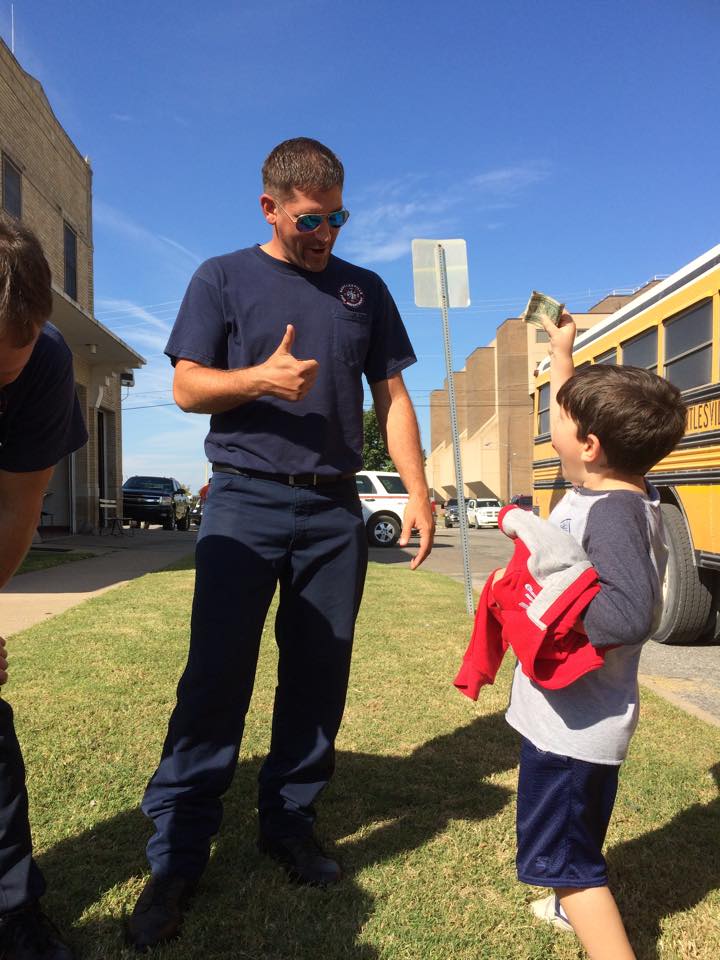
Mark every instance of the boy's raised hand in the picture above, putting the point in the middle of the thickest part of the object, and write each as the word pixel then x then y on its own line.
pixel 562 336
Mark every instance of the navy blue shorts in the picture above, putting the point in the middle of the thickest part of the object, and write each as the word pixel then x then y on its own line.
pixel 563 810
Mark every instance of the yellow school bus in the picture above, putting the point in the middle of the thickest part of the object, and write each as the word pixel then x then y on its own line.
pixel 673 329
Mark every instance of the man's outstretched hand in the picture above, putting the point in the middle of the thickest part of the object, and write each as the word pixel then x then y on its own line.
pixel 418 515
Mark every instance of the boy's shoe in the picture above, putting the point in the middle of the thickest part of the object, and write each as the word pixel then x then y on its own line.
pixel 158 913
pixel 27 934
pixel 549 910
pixel 303 858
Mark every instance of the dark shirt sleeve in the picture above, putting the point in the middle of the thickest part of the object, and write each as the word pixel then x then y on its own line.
pixel 390 348
pixel 617 543
pixel 200 333
pixel 48 423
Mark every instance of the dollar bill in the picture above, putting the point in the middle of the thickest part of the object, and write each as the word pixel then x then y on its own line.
pixel 540 305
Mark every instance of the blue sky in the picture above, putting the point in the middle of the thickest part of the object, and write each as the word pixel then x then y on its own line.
pixel 574 145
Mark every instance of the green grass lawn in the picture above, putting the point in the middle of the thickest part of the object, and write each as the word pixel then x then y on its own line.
pixel 421 810
pixel 43 559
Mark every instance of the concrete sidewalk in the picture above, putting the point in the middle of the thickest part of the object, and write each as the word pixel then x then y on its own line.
pixel 33 597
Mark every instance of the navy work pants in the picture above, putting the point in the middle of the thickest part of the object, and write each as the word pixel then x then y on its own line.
pixel 254 535
pixel 20 879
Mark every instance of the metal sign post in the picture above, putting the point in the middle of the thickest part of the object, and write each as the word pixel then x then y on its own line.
pixel 441 280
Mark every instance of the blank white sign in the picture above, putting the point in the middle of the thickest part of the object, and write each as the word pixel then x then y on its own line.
pixel 426 276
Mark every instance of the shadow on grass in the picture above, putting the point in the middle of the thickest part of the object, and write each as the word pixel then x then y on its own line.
pixel 400 554
pixel 667 871
pixel 379 807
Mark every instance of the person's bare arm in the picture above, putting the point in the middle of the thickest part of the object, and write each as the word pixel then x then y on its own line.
pixel 399 427
pixel 199 389
pixel 562 338
pixel 21 497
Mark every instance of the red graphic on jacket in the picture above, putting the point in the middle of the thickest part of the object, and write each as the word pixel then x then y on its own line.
pixel 533 608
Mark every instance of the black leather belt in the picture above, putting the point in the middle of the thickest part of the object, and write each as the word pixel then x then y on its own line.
pixel 289 479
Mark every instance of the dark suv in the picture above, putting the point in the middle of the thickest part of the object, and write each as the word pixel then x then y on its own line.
pixel 452 513
pixel 156 500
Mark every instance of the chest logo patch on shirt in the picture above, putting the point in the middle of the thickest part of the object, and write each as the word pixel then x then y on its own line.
pixel 351 295
pixel 565 525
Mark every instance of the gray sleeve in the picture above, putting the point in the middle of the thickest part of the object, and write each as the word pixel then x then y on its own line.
pixel 617 543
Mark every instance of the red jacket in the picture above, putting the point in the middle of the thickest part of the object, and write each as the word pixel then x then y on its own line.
pixel 533 608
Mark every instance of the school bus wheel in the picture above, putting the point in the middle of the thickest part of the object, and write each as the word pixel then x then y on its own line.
pixel 686 599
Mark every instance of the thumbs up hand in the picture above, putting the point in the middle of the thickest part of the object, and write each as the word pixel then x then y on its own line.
pixel 285 377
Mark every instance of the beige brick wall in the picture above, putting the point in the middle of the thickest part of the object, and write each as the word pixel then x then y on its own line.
pixel 56 180
pixel 57 188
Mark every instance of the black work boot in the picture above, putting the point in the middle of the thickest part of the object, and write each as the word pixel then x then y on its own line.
pixel 27 934
pixel 303 859
pixel 158 913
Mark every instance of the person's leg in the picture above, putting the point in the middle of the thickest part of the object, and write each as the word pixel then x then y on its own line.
pixel 564 807
pixel 319 601
pixel 596 920
pixel 239 552
pixel 24 929
pixel 20 879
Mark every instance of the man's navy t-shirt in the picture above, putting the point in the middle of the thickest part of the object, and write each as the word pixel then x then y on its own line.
pixel 40 417
pixel 234 315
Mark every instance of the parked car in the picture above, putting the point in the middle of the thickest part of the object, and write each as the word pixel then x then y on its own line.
pixel 452 517
pixel 383 498
pixel 156 500
pixel 483 512
pixel 522 500
pixel 196 512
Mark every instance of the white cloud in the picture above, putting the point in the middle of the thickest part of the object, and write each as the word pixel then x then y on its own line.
pixel 393 212
pixel 156 243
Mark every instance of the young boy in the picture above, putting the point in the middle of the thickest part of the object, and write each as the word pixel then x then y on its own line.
pixel 609 425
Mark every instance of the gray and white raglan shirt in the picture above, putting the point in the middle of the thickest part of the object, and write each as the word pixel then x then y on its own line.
pixel 594 718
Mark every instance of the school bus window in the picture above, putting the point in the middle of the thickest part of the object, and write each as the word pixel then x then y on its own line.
pixel 541 336
pixel 582 366
pixel 544 409
pixel 642 351
pixel 610 356
pixel 688 347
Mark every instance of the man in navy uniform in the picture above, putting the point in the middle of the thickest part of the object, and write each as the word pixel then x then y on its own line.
pixel 40 423
pixel 273 341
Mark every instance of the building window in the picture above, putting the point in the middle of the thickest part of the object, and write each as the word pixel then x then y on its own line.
pixel 642 351
pixel 688 347
pixel 70 262
pixel 610 356
pixel 11 188
pixel 542 336
pixel 544 409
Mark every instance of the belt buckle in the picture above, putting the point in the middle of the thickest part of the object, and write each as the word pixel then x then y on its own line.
pixel 291 480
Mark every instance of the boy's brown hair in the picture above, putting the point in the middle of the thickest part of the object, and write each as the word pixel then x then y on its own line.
pixel 637 416
pixel 301 164
pixel 25 283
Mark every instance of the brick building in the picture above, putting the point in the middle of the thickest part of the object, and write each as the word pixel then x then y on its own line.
pixel 494 397
pixel 47 183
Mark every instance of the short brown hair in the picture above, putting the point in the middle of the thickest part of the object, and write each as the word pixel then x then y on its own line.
pixel 301 164
pixel 25 283
pixel 637 416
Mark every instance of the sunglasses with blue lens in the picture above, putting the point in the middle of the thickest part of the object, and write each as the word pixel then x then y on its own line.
pixel 307 222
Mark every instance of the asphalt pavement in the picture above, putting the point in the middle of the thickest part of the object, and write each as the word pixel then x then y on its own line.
pixel 687 676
